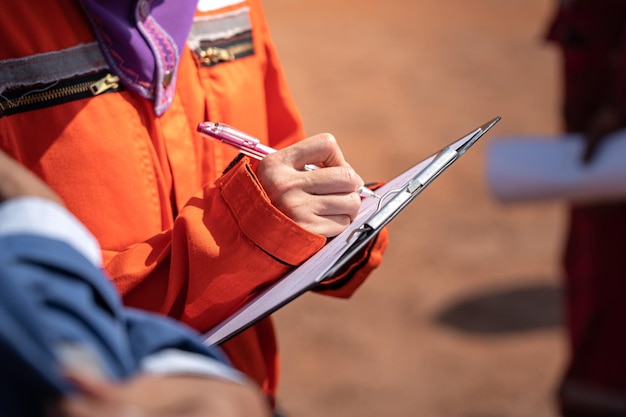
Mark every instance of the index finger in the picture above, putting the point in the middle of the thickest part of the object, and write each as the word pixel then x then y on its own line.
pixel 321 149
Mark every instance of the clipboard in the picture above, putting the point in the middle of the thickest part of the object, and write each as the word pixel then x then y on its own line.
pixel 374 214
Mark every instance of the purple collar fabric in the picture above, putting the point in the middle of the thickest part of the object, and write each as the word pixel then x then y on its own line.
pixel 142 41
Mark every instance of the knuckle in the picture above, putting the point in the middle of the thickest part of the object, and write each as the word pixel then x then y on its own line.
pixel 328 138
pixel 349 176
pixel 354 206
pixel 327 141
pixel 355 201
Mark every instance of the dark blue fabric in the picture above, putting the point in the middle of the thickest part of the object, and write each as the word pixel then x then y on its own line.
pixel 52 295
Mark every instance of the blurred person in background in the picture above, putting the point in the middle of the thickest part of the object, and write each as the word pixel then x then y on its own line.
pixel 101 99
pixel 591 36
pixel 71 349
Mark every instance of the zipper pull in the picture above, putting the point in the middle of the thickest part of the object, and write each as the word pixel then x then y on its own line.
pixel 214 55
pixel 107 83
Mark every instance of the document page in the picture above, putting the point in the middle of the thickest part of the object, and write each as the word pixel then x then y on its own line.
pixel 540 168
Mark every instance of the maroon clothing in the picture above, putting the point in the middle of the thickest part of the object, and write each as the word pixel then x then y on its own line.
pixel 591 37
pixel 590 34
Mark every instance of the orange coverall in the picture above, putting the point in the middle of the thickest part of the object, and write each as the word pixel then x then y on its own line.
pixel 178 237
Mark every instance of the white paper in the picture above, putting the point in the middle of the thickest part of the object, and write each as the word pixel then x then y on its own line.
pixel 541 168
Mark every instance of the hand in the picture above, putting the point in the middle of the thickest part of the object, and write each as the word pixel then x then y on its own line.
pixel 607 120
pixel 323 201
pixel 17 181
pixel 161 396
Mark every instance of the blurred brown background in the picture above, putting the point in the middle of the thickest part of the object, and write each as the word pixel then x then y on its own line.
pixel 463 317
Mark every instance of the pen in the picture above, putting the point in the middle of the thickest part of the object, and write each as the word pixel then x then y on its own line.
pixel 253 147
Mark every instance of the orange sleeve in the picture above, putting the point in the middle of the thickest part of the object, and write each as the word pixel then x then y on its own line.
pixel 221 251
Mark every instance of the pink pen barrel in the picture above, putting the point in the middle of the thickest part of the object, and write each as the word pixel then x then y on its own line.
pixel 247 144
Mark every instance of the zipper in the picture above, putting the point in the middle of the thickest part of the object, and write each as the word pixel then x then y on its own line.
pixel 107 83
pixel 212 55
pixel 29 98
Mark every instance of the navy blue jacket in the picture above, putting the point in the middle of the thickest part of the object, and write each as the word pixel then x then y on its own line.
pixel 51 296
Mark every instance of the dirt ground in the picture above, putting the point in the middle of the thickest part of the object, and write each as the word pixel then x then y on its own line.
pixel 463 317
